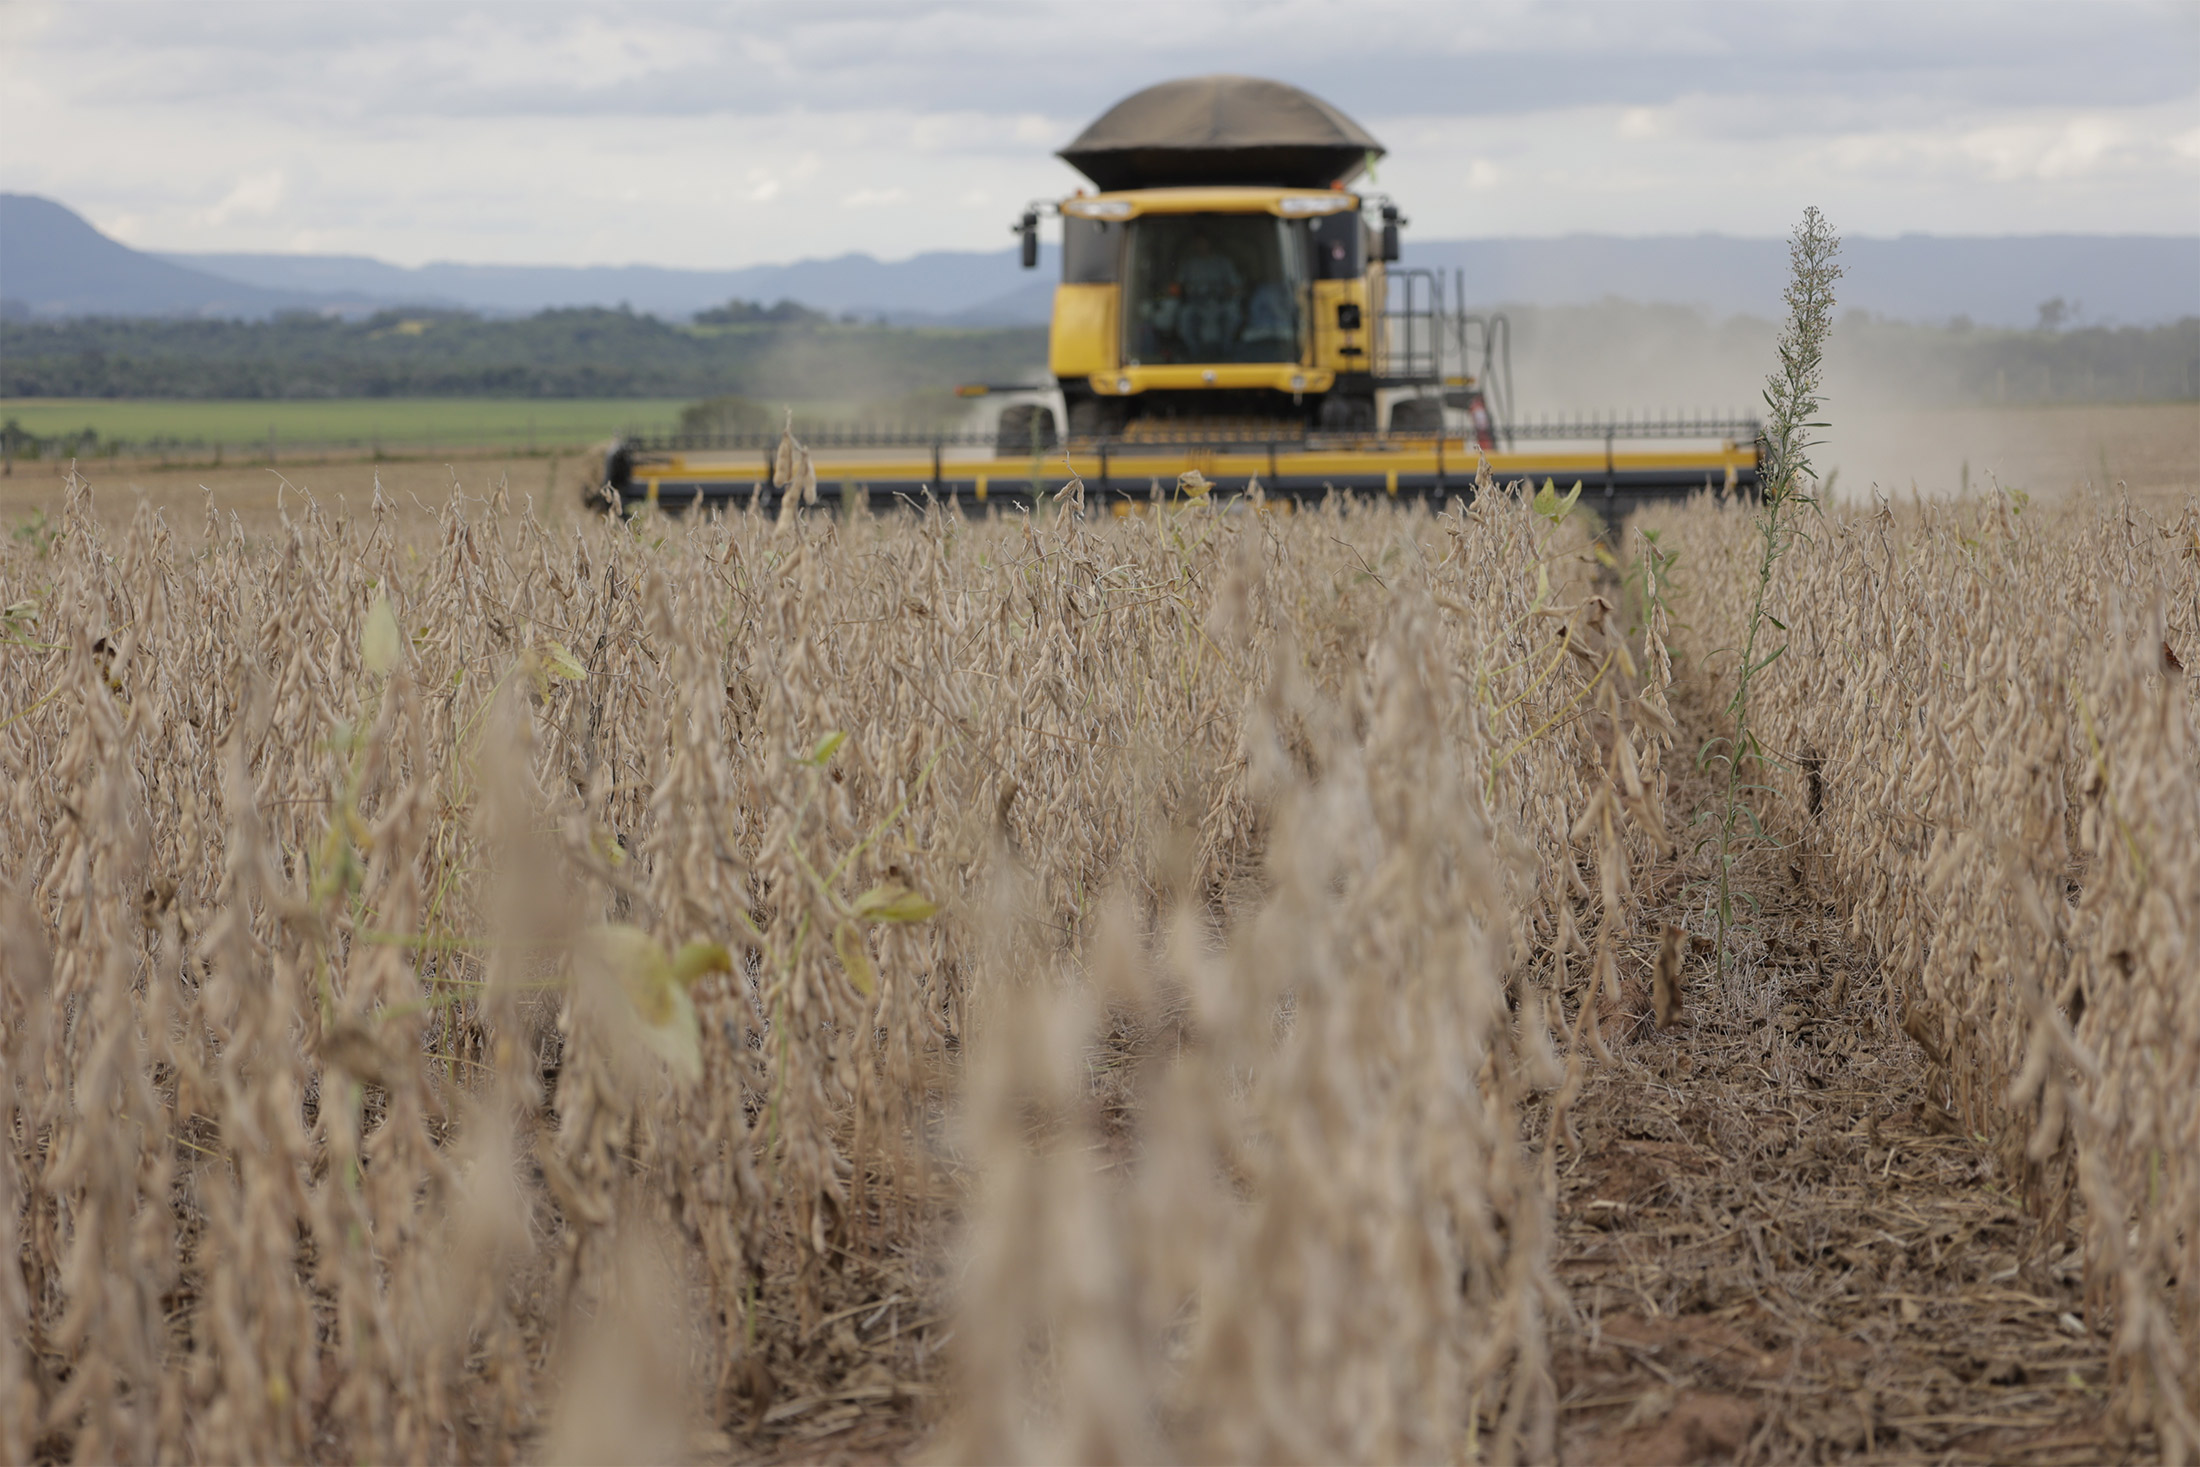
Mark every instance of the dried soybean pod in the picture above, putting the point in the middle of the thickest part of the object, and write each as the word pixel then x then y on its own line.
pixel 1665 991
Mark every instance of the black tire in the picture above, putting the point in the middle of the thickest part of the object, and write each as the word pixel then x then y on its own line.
pixel 618 479
pixel 1348 414
pixel 1417 415
pixel 1097 417
pixel 1025 429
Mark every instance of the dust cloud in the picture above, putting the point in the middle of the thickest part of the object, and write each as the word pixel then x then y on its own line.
pixel 1892 424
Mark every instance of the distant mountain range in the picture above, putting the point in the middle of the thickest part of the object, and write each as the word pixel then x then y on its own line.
pixel 946 287
pixel 55 264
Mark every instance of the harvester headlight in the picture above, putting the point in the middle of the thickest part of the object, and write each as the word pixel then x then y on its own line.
pixel 1098 208
pixel 1298 384
pixel 1122 384
pixel 1292 205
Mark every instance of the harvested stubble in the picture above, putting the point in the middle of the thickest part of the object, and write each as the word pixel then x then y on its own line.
pixel 1778 1244
pixel 1984 740
pixel 499 991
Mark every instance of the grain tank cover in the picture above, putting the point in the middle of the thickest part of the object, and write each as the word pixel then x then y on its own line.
pixel 1221 130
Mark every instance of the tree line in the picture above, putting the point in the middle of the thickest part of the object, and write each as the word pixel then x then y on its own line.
pixel 769 352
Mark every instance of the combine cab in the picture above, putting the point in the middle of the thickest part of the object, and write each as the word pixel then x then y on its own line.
pixel 1231 305
pixel 1224 275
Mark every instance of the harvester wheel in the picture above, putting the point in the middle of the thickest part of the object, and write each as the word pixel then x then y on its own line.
pixel 1348 414
pixel 618 478
pixel 1417 415
pixel 1090 417
pixel 1026 430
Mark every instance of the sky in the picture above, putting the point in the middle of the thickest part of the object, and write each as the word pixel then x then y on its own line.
pixel 714 135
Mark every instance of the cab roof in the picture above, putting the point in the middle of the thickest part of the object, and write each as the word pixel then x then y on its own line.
pixel 1221 130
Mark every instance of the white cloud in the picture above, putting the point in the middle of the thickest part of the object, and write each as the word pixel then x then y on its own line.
pixel 706 135
pixel 256 196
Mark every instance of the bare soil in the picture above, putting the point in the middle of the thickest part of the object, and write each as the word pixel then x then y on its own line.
pixel 1778 1243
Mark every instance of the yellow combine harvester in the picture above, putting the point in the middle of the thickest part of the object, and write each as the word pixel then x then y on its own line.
pixel 1230 306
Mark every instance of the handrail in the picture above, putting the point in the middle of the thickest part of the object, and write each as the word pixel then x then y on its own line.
pixel 1738 428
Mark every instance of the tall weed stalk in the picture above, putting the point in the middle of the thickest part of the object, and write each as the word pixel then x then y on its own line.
pixel 1792 403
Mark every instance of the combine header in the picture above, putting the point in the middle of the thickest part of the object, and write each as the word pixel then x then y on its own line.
pixel 1230 310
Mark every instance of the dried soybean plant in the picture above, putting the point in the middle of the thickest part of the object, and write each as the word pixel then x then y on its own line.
pixel 1295 1223
pixel 1987 743
pixel 473 986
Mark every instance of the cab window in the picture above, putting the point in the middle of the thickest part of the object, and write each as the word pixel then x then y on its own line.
pixel 1213 288
pixel 1091 249
pixel 1339 246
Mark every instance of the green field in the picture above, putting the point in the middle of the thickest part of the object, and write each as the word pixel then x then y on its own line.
pixel 333 422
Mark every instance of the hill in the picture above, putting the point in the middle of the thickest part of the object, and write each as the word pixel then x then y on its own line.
pixel 2104 280
pixel 53 264
pixel 2137 280
pixel 940 288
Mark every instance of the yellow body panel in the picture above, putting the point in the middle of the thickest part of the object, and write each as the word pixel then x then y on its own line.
pixel 1085 335
pixel 1217 199
pixel 1330 340
pixel 1407 456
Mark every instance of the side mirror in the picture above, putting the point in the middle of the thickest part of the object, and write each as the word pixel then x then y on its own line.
pixel 1028 227
pixel 1391 221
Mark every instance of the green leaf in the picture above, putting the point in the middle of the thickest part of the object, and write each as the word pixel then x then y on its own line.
pixel 665 1014
pixel 640 964
pixel 855 958
pixel 678 1041
pixel 695 959
pixel 827 747
pixel 895 901
pixel 1550 506
pixel 1783 626
pixel 380 643
pixel 559 661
